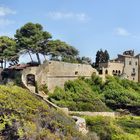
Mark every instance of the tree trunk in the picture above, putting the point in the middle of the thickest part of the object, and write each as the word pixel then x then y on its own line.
pixel 30 56
pixel 38 58
pixel 2 63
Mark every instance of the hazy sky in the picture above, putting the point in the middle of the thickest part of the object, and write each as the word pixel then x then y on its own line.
pixel 87 25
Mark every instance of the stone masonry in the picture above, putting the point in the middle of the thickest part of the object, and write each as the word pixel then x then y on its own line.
pixel 55 73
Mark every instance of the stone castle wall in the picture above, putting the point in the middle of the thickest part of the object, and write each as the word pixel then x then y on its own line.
pixel 131 68
pixel 55 73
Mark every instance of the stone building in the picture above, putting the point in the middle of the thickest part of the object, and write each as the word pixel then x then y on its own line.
pixel 127 65
pixel 55 73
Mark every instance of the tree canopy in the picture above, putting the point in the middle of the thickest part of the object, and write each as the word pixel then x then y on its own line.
pixel 30 38
pixel 57 48
pixel 101 57
pixel 8 51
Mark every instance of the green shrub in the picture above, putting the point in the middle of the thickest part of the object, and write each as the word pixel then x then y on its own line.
pixel 77 96
pixel 44 88
pixel 120 128
pixel 94 95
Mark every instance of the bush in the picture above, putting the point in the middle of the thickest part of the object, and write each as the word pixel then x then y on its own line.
pixel 44 88
pixel 77 96
pixel 94 95
pixel 120 128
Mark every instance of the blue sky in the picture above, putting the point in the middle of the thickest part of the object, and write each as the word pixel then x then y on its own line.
pixel 88 25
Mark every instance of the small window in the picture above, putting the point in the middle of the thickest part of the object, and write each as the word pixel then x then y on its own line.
pixel 100 71
pixel 133 69
pixel 129 62
pixel 76 73
pixel 119 72
pixel 136 63
pixel 106 71
pixel 113 72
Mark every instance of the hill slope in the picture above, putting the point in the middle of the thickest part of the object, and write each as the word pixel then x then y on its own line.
pixel 94 95
pixel 119 128
pixel 24 116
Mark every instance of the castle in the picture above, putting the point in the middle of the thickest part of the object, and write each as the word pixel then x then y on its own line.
pixel 126 65
pixel 56 73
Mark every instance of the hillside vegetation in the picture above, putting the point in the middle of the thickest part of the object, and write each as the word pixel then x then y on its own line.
pixel 120 128
pixel 24 116
pixel 94 95
pixel 78 96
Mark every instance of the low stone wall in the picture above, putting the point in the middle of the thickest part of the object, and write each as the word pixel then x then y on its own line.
pixel 86 113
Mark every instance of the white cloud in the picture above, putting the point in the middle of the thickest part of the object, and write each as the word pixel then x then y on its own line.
pixel 4 11
pixel 122 32
pixel 67 16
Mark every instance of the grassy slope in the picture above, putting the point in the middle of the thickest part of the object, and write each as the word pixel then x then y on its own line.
pixel 22 115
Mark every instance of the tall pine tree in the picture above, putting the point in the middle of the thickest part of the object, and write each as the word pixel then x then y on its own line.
pixel 101 57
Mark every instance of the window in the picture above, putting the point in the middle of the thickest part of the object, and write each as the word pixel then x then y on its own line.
pixel 76 73
pixel 113 72
pixel 100 71
pixel 129 62
pixel 133 72
pixel 119 72
pixel 106 71
pixel 136 63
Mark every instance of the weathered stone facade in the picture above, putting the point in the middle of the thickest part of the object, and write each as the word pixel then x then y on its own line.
pixel 126 66
pixel 55 73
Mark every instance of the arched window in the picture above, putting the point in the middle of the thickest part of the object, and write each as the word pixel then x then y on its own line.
pixel 113 71
pixel 106 71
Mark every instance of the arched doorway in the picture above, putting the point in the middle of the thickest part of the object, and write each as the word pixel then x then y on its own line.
pixel 30 79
